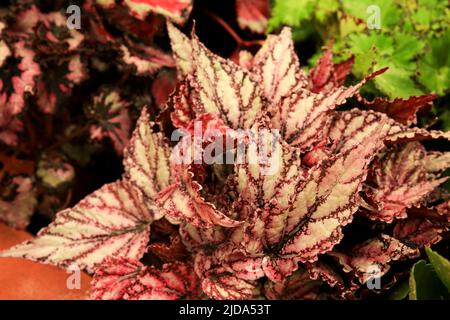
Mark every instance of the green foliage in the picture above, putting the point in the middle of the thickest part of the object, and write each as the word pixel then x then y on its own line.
pixel 430 281
pixel 412 41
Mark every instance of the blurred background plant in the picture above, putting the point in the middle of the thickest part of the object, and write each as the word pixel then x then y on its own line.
pixel 413 41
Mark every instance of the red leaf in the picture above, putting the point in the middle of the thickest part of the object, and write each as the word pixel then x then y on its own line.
pixel 253 14
pixel 418 232
pixel 401 110
pixel 175 10
pixel 171 252
pixel 326 75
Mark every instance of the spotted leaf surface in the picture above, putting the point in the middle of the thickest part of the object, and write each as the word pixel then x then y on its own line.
pixel 129 279
pixel 113 221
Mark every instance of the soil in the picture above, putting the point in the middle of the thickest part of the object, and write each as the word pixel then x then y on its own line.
pixel 27 280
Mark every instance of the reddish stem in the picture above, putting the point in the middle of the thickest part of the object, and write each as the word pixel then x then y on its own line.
pixel 233 34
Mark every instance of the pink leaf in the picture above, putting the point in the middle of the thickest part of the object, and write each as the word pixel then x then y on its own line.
pixel 303 115
pixel 113 221
pixel 145 60
pixel 182 201
pixel 402 182
pixel 220 284
pixel 277 67
pixel 253 14
pixel 175 10
pixel 371 259
pixel 130 280
pixel 225 89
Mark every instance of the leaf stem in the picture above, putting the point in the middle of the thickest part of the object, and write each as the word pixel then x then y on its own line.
pixel 240 42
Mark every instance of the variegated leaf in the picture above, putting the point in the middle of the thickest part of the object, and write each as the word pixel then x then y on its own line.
pixel 195 238
pixel 266 181
pixel 17 79
pixel 303 116
pixel 298 286
pixel 113 221
pixel 129 279
pixel 110 113
pixel 349 128
pixel 181 104
pixel 372 258
pixel 345 129
pixel 169 252
pixel 418 232
pixel 277 67
pixel 225 89
pixel 402 182
pixel 183 202
pixel 147 159
pixel 182 50
pixel 400 134
pixel 300 218
pixel 219 284
pixel 322 271
pixel 175 10
pixel 253 14
pixel 436 162
pixel 145 60
pixel 325 202
pixel 17 208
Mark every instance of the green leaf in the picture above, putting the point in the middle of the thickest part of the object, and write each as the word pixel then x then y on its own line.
pixel 400 292
pixel 424 284
pixel 434 68
pixel 390 13
pixel 290 12
pixel 441 266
